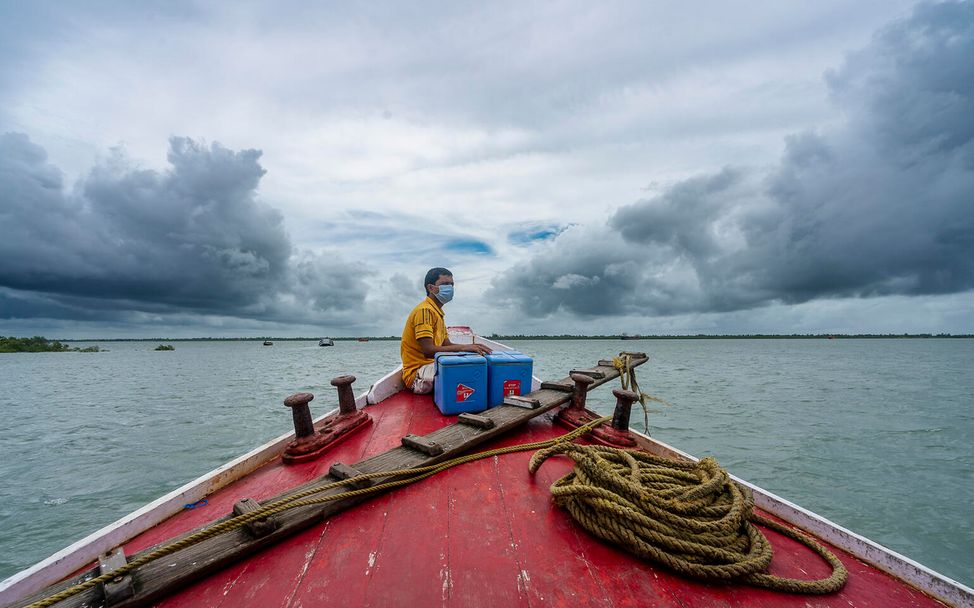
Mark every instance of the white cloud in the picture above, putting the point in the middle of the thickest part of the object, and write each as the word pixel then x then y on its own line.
pixel 400 134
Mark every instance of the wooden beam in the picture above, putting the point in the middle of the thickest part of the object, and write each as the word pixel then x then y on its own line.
pixel 155 580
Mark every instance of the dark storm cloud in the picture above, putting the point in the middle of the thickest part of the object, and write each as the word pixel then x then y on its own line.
pixel 881 205
pixel 193 238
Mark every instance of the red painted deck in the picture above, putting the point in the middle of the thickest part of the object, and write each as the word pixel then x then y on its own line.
pixel 484 534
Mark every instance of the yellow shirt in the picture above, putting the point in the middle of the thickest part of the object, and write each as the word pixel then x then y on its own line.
pixel 425 321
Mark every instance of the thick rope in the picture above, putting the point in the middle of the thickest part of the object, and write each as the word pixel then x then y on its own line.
pixel 307 498
pixel 627 377
pixel 688 516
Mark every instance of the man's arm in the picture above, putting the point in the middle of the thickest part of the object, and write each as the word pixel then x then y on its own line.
pixel 429 348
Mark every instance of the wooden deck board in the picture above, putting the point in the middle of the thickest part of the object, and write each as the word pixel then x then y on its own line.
pixel 341 571
pixel 411 566
pixel 557 571
pixel 483 567
pixel 415 531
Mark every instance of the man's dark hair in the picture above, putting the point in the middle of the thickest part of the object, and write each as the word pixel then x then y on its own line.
pixel 433 275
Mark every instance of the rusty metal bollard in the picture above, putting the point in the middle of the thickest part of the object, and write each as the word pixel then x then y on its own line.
pixel 582 383
pixel 624 401
pixel 574 414
pixel 301 413
pixel 311 442
pixel 617 435
pixel 346 398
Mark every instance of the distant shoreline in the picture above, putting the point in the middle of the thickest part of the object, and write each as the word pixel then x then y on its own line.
pixel 549 337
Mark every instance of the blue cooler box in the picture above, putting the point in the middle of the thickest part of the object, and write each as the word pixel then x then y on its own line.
pixel 461 383
pixel 508 374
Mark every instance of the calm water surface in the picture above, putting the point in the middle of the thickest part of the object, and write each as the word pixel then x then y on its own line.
pixel 873 434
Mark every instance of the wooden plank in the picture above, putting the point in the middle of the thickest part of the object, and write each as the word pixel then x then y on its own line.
pixel 156 579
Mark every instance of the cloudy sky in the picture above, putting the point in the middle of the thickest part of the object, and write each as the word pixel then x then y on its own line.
pixel 203 169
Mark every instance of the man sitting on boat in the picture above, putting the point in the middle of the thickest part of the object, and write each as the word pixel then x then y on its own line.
pixel 425 334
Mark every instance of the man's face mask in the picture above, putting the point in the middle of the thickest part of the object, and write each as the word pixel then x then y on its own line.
pixel 445 293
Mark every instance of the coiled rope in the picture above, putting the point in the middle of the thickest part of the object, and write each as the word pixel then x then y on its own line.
pixel 689 516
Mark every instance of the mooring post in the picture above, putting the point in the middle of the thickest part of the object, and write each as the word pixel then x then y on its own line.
pixel 582 383
pixel 624 401
pixel 346 398
pixel 574 414
pixel 301 413
pixel 330 429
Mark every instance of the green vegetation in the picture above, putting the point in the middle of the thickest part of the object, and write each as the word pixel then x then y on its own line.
pixel 39 344
pixel 165 347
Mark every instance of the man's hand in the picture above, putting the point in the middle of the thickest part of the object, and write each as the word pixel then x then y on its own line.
pixel 429 349
pixel 480 349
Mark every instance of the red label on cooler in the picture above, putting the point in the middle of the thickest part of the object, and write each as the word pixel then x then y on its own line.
pixel 512 388
pixel 463 392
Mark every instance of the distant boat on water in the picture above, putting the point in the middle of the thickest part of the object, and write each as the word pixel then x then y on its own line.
pixel 363 339
pixel 268 343
pixel 326 342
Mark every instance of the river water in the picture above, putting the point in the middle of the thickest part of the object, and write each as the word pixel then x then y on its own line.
pixel 875 435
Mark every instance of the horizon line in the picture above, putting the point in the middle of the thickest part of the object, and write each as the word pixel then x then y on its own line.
pixel 536 337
